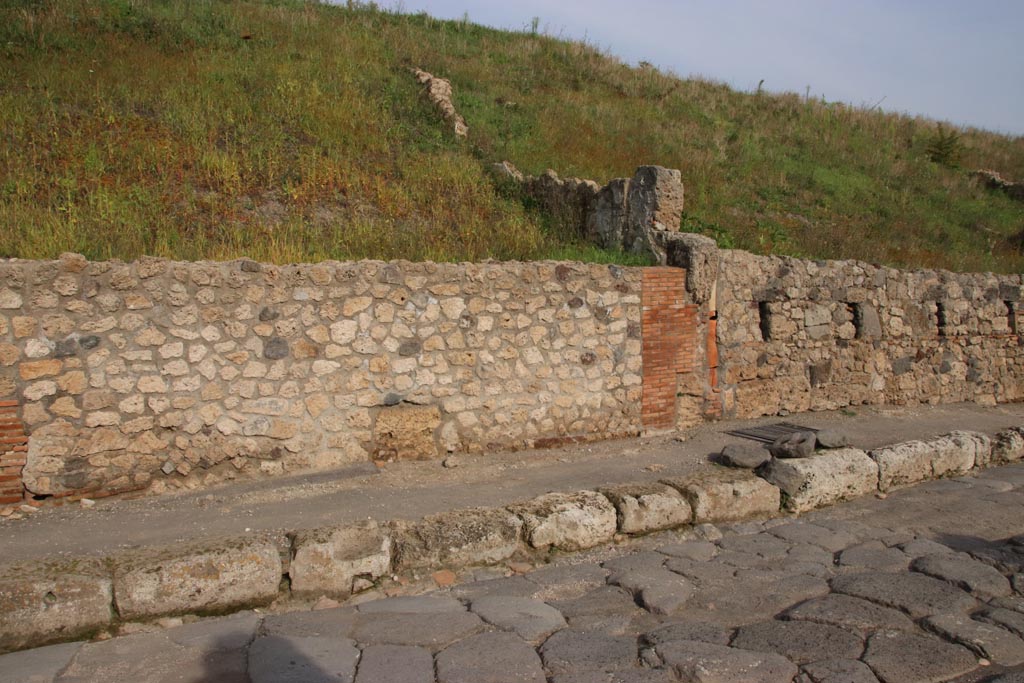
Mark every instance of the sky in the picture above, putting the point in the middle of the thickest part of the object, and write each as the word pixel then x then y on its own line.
pixel 958 61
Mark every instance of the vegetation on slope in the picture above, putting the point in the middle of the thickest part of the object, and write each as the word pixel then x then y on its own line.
pixel 287 130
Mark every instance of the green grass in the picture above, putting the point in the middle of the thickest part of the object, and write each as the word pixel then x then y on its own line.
pixel 293 131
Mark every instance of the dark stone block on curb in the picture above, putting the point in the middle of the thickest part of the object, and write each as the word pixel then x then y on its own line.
pixel 830 438
pixel 801 642
pixel 248 266
pixel 572 651
pixel 395 664
pixel 89 342
pixel 744 456
pixel 275 348
pixel 410 347
pixel 296 659
pixel 65 348
pixel 899 657
pixel 267 314
pixel 797 445
pixel 490 658
pixel 916 594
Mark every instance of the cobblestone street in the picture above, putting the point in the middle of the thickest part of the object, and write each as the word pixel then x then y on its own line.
pixel 923 585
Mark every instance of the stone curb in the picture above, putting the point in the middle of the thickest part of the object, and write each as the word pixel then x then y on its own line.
pixel 52 601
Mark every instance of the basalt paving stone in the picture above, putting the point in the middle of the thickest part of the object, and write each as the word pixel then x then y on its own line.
pixel 992 642
pixel 761 544
pixel 849 612
pixel 729 606
pixel 512 586
pixel 807 552
pixel 434 631
pixel 875 556
pixel 413 604
pixel 707 663
pixel 697 551
pixel 801 642
pixel 642 560
pixel 334 623
pixel 1014 602
pixel 688 630
pixel 965 572
pixel 1009 619
pixel 532 620
pixel 213 635
pixel 298 659
pixel 702 573
pixel 490 658
pixel 839 671
pixel 900 657
pixel 40 665
pixel 395 664
pixel 1011 677
pixel 804 532
pixel 916 594
pixel 659 590
pixel 602 600
pixel 573 651
pixel 636 675
pixel 567 581
pixel 152 658
pixel 920 547
pixel 742 560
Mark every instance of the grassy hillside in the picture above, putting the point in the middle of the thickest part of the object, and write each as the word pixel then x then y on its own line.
pixel 286 130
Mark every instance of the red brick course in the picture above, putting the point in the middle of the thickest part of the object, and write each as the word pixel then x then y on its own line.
pixel 669 343
pixel 13 452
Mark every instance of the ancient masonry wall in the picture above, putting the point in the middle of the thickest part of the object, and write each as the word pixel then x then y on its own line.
pixel 157 375
pixel 797 335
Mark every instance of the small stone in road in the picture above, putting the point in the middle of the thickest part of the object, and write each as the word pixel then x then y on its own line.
pixel 444 577
pixel 451 462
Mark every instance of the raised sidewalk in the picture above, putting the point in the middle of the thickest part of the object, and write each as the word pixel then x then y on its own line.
pixel 218 531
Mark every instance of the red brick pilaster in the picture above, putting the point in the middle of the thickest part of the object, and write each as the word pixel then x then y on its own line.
pixel 13 452
pixel 670 343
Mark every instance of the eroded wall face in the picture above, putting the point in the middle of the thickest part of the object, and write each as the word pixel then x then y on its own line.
pixel 158 374
pixel 798 335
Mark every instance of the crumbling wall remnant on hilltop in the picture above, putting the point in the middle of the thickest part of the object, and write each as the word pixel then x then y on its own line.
pixel 637 215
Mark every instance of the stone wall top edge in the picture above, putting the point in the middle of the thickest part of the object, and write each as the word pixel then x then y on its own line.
pixel 732 256
pixel 361 263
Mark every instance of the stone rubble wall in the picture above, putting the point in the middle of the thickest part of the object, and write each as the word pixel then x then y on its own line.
pixel 157 375
pixel 796 335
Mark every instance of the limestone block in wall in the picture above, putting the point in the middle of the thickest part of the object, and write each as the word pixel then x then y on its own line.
pixel 567 521
pixel 823 479
pixel 327 561
pixel 407 432
pixel 643 508
pixel 42 604
pixel 699 256
pixel 202 579
pixel 728 496
pixel 461 538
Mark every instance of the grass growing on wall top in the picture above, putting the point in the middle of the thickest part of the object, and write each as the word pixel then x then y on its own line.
pixel 293 131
